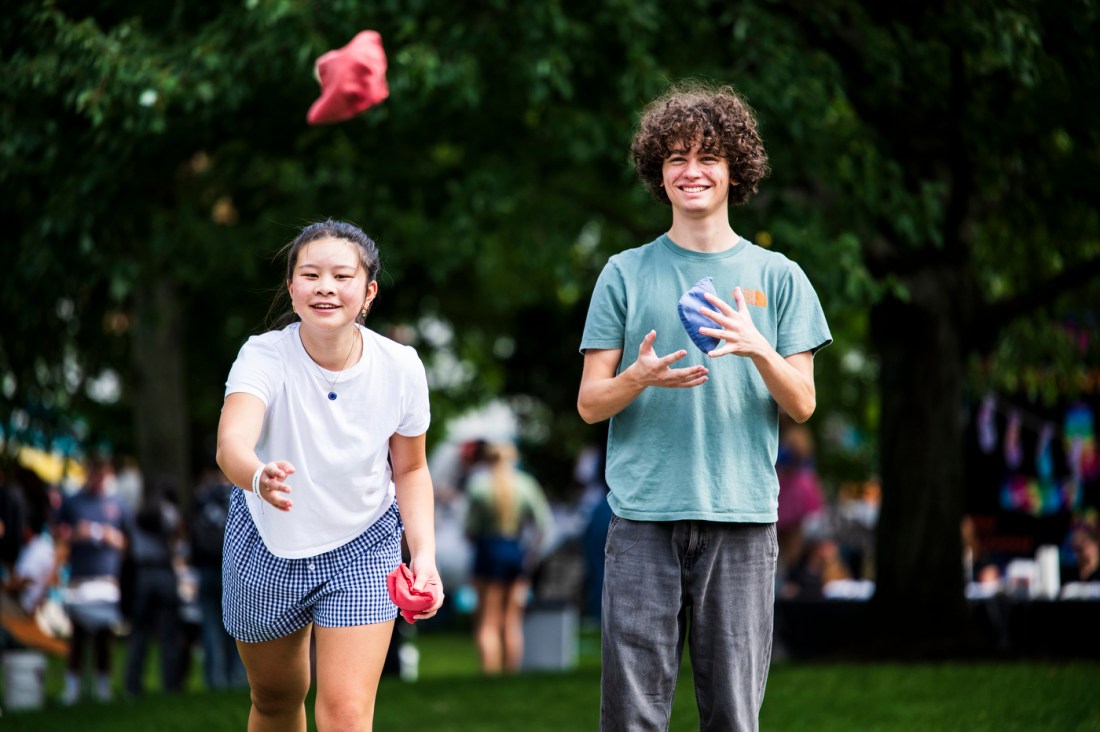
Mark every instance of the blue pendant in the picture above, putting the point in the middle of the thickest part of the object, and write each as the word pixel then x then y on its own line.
pixel 332 396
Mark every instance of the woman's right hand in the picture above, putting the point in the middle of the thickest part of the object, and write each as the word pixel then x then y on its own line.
pixel 272 487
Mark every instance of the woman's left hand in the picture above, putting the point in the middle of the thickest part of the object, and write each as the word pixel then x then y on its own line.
pixel 426 574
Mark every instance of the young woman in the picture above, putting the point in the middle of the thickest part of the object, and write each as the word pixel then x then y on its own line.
pixel 323 427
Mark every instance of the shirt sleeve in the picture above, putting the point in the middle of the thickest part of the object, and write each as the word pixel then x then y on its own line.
pixel 802 324
pixel 605 326
pixel 417 415
pixel 252 372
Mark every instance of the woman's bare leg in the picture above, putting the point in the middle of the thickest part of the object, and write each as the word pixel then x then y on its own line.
pixel 278 675
pixel 349 665
pixel 490 625
pixel 515 601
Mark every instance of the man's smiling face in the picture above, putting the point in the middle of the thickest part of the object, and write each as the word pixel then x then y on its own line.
pixel 697 183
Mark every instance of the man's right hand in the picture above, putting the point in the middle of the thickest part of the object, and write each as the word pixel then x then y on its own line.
pixel 653 370
pixel 603 394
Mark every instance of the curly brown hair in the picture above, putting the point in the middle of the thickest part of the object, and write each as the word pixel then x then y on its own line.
pixel 717 118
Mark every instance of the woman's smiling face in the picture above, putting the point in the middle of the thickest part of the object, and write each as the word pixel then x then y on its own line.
pixel 328 288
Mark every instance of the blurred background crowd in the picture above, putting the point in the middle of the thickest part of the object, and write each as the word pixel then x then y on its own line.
pixel 98 557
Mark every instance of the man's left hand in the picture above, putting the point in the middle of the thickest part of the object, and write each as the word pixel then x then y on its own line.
pixel 740 335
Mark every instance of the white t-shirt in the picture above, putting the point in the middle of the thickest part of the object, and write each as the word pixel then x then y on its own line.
pixel 340 448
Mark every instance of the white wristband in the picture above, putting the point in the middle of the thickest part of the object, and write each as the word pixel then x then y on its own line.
pixel 256 479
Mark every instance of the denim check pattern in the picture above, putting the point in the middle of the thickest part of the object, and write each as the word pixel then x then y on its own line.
pixel 267 597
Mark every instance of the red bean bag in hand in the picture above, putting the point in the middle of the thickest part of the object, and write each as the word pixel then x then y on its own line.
pixel 411 602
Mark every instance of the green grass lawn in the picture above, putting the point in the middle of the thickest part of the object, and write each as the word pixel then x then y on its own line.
pixel 450 696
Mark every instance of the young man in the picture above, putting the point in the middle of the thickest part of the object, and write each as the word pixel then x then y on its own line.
pixel 693 437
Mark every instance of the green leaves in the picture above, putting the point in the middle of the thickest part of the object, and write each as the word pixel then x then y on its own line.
pixel 144 143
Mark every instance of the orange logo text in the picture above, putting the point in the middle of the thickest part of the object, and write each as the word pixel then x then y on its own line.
pixel 752 297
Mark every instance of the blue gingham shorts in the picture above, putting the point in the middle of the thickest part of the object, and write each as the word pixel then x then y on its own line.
pixel 267 597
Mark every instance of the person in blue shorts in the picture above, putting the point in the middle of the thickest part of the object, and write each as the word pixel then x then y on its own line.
pixel 323 433
pixel 691 550
pixel 507 518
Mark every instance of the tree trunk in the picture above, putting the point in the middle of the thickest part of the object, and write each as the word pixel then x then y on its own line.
pixel 919 600
pixel 160 404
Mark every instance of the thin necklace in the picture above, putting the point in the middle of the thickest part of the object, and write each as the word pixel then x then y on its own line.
pixel 332 384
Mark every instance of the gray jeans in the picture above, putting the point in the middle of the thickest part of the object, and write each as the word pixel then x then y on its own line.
pixel 713 583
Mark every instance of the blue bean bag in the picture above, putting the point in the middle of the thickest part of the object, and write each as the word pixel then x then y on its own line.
pixel 693 320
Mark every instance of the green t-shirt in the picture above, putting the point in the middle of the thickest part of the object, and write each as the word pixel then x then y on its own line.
pixel 708 452
pixel 530 505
